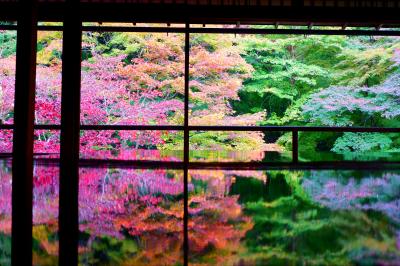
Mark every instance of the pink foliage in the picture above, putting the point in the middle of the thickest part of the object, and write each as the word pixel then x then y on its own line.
pixel 7 85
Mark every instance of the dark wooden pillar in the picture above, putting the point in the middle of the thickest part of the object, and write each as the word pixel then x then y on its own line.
pixel 69 158
pixel 23 136
pixel 186 151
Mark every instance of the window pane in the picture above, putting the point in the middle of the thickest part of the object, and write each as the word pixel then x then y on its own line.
pixel 348 146
pixel 47 143
pixel 131 217
pixel 8 42
pixel 293 217
pixel 48 78
pixel 294 80
pixel 132 145
pixel 45 215
pixel 240 146
pixel 132 78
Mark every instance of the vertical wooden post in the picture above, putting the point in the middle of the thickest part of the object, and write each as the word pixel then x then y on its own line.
pixel 186 151
pixel 22 166
pixel 70 122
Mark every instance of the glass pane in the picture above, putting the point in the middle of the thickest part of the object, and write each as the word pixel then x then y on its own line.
pixel 47 143
pixel 45 215
pixel 240 146
pixel 5 211
pixel 132 145
pixel 48 78
pixel 348 146
pixel 6 140
pixel 293 217
pixel 132 78
pixel 8 43
pixel 294 80
pixel 131 217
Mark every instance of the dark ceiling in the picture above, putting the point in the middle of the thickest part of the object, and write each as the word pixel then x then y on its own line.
pixel 376 13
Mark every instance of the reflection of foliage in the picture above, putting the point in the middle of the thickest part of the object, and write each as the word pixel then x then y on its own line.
pixel 135 217
pixel 45 245
pixel 137 214
pixel 216 222
pixel 5 249
pixel 293 229
pixel 117 251
pixel 287 226
pixel 216 228
pixel 347 191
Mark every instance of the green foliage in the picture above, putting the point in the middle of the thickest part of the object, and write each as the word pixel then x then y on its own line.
pixel 211 42
pixel 311 142
pixel 360 142
pixel 8 43
pixel 209 140
pixel 364 65
pixel 113 44
pixel 321 50
pixel 358 106
pixel 286 141
pixel 282 75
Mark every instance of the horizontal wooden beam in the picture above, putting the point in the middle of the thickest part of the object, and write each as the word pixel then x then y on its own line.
pixel 356 15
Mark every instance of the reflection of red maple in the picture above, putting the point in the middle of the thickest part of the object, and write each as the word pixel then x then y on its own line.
pixel 217 224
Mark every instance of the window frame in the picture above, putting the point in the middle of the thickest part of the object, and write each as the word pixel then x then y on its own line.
pixel 69 231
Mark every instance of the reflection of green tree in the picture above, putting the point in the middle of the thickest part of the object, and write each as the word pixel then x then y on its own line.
pixel 251 189
pixel 109 251
pixel 291 229
pixel 5 249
